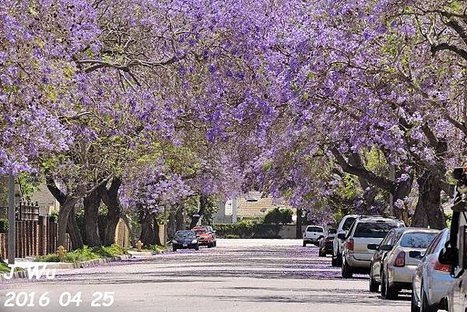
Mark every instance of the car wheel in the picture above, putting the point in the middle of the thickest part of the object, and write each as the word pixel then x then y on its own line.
pixel 196 247
pixel 174 248
pixel 346 270
pixel 334 261
pixel 413 305
pixel 321 253
pixel 210 245
pixel 304 244
pixel 389 292
pixel 425 306
pixel 374 286
pixel 215 244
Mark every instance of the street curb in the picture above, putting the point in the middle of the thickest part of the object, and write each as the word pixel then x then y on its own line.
pixel 77 265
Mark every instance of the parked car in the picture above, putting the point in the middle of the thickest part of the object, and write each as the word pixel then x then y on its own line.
pixel 356 256
pixel 454 252
pixel 325 243
pixel 432 280
pixel 185 239
pixel 205 237
pixel 396 259
pixel 312 234
pixel 337 242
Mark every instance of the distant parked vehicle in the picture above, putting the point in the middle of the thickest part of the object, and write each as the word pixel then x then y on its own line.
pixel 432 280
pixel 397 258
pixel 313 234
pixel 205 236
pixel 325 243
pixel 337 242
pixel 356 257
pixel 185 239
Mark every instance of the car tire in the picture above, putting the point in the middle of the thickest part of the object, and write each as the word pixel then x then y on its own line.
pixel 196 247
pixel 304 244
pixel 334 261
pixel 346 270
pixel 413 305
pixel 374 286
pixel 210 245
pixel 387 291
pixel 215 244
pixel 174 249
pixel 321 253
pixel 425 306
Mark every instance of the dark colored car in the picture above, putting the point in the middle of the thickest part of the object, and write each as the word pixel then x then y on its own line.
pixel 326 243
pixel 185 239
pixel 205 236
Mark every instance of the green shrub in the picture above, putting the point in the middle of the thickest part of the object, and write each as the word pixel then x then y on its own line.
pixel 247 229
pixel 109 251
pixel 4 268
pixel 278 216
pixel 232 236
pixel 157 248
pixel 53 217
pixel 48 258
pixel 3 225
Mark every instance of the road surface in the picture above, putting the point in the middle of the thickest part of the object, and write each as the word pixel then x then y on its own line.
pixel 238 275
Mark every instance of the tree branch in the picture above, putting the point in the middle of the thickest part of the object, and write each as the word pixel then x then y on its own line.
pixel 445 46
pixel 378 181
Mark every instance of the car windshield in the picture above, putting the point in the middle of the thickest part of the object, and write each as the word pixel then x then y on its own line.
pixel 374 229
pixel 184 234
pixel 332 231
pixel 417 239
pixel 314 229
pixel 347 223
pixel 200 231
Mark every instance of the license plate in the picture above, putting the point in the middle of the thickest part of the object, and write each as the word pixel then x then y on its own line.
pixel 184 245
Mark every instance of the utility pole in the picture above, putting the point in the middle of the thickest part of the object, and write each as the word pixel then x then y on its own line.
pixel 11 220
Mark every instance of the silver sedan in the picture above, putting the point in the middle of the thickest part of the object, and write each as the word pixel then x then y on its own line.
pixel 432 279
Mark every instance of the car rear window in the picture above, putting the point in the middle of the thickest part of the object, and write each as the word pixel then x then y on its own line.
pixel 314 229
pixel 347 223
pixel 417 240
pixel 374 229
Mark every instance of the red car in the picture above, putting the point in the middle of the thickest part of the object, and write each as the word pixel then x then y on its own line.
pixel 205 237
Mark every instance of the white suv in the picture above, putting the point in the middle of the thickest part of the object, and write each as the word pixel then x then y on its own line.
pixel 312 234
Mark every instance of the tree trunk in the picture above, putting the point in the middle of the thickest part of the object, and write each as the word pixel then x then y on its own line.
pixel 91 218
pixel 157 236
pixel 110 199
pixel 179 220
pixel 298 229
pixel 428 211
pixel 203 202
pixel 147 236
pixel 63 217
pixel 73 230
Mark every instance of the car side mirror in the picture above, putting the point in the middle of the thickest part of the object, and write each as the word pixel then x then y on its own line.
pixel 416 254
pixel 341 235
pixel 385 247
pixel 372 247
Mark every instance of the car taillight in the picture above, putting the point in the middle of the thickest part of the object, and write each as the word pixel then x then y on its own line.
pixel 350 244
pixel 400 259
pixel 441 267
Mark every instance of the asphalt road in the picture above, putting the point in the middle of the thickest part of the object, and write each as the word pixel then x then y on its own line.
pixel 238 275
